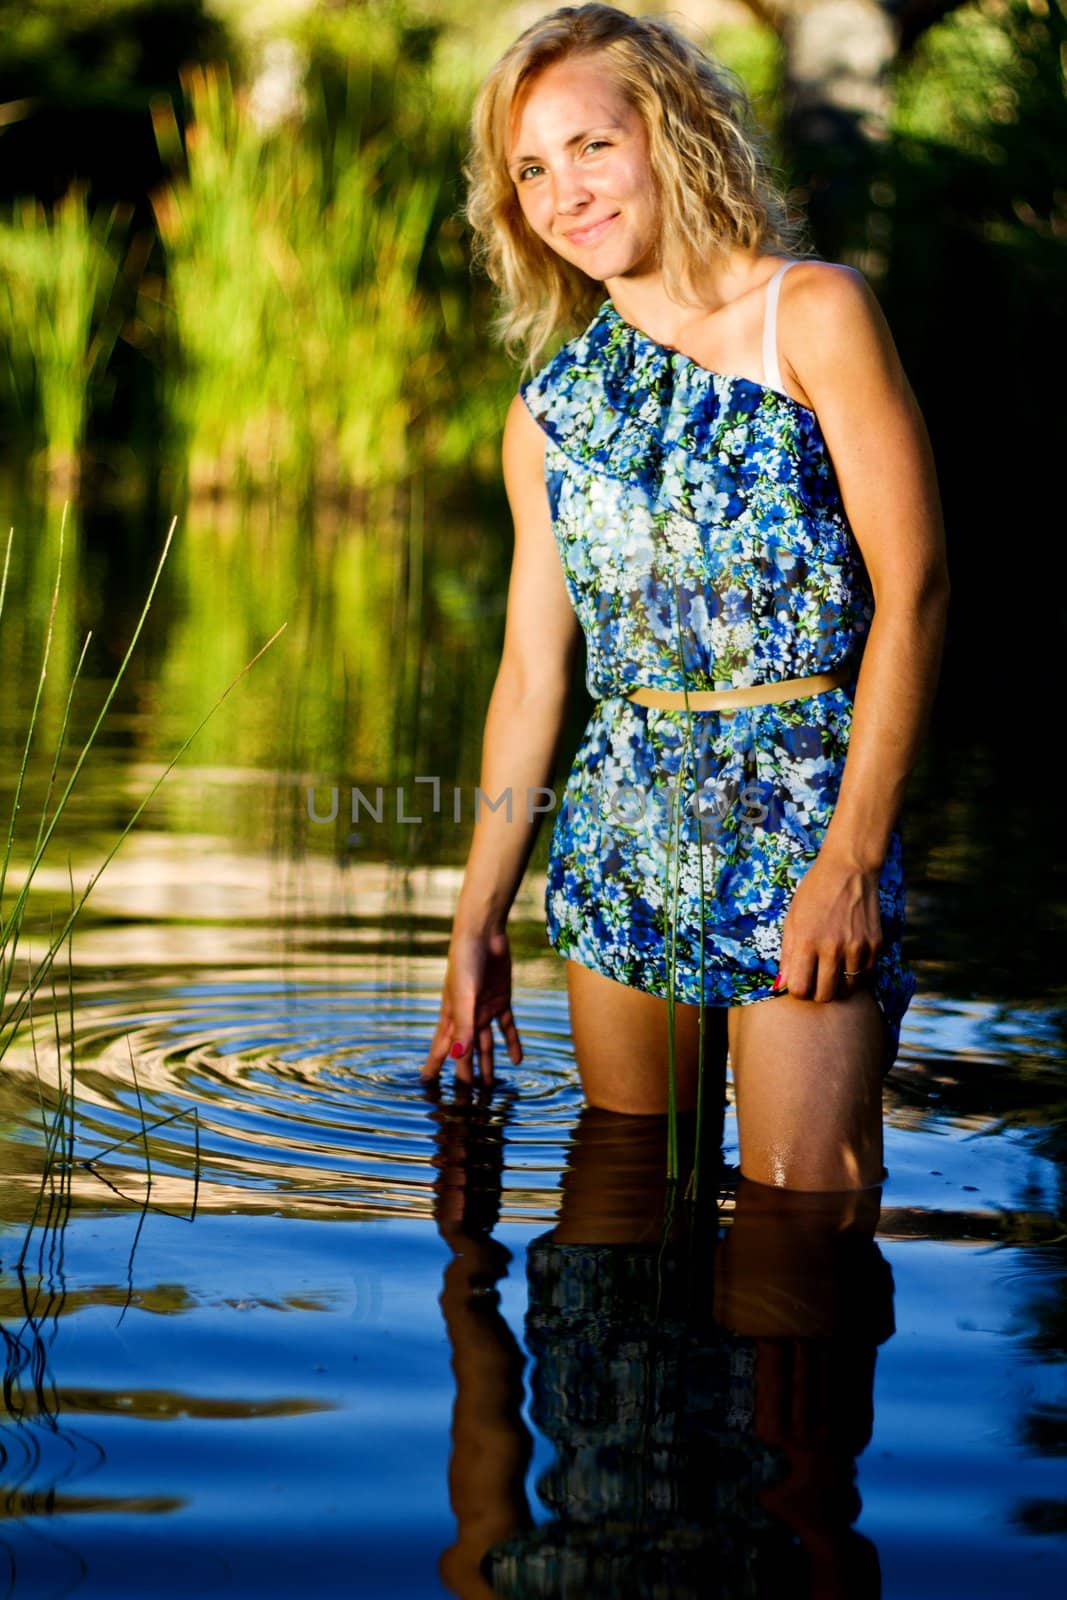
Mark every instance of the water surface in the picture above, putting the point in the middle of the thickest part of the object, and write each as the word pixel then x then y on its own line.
pixel 278 1318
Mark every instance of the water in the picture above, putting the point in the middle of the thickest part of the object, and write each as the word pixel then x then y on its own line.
pixel 253 1374
pixel 281 1319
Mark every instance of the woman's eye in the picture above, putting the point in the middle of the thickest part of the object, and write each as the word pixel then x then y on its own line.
pixel 593 144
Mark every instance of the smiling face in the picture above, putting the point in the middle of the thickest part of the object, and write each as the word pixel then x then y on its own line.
pixel 578 157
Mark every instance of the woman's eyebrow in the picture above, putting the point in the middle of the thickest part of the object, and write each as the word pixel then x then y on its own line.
pixel 575 138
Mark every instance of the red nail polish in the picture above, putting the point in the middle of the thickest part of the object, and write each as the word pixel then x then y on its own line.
pixel 457 1048
pixel 777 984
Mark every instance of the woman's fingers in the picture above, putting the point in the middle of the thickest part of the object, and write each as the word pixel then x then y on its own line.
pixel 822 972
pixel 799 975
pixel 485 1054
pixel 828 976
pixel 438 1050
pixel 463 1061
pixel 854 965
pixel 476 992
pixel 833 927
pixel 454 1042
pixel 511 1035
pixel 446 1035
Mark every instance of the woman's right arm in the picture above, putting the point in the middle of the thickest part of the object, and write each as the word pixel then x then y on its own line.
pixel 523 724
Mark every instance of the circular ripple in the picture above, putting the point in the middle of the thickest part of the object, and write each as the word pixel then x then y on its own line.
pixel 305 1098
pixel 297 1097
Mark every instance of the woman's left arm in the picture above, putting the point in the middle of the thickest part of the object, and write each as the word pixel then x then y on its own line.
pixel 841 353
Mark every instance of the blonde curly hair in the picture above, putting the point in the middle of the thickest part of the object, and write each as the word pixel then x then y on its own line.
pixel 714 183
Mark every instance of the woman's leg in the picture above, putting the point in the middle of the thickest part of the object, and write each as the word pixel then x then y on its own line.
pixel 620 1041
pixel 808 1090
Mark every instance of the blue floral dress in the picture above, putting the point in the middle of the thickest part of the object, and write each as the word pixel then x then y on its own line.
pixel 705 546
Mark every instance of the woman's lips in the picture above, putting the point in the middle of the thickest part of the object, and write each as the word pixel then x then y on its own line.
pixel 591 234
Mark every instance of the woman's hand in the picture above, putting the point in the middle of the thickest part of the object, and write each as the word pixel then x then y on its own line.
pixel 477 988
pixel 833 927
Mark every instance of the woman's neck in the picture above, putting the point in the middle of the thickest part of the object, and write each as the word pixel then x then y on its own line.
pixel 725 285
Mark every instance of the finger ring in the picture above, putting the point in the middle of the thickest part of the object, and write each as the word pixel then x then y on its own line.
pixel 853 974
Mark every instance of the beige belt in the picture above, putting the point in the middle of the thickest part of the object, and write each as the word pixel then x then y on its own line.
pixel 756 694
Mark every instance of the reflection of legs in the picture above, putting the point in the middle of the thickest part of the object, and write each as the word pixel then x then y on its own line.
pixel 631 1382
pixel 614 1187
pixel 793 1265
pixel 808 1086
pixel 813 1402
pixel 620 1041
pixel 801 1274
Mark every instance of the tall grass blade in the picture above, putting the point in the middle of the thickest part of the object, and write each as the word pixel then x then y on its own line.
pixel 35 711
pixel 44 837
pixel 13 1017
pixel 7 563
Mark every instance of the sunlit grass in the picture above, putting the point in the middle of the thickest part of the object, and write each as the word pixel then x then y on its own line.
pixel 315 324
pixel 304 342
pixel 57 269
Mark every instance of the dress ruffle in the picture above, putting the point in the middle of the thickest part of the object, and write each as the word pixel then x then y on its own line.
pixel 614 399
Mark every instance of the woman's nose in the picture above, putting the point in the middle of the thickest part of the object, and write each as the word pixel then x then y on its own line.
pixel 571 193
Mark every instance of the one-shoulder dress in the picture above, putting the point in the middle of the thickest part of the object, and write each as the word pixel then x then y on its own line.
pixel 704 545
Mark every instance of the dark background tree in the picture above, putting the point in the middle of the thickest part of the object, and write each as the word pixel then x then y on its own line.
pixel 76 84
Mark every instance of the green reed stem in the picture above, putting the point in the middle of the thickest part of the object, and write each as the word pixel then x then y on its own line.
pixel 694 1177
pixel 7 563
pixel 140 1112
pixel 672 964
pixel 44 838
pixel 64 1116
pixel 51 1141
pixel 24 763
pixel 13 1017
pixel 62 737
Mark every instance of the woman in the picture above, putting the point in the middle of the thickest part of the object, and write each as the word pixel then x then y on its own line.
pixel 724 482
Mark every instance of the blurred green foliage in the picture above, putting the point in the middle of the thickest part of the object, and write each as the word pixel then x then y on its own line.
pixel 56 269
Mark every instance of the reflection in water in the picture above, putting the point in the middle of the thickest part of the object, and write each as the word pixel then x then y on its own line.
pixel 41 1454
pixel 703 1407
pixel 706 1395
pixel 491 1445
pixel 44 1456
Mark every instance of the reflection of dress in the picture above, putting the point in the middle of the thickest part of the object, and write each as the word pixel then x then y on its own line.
pixel 705 545
pixel 656 1490
pixel 655 1486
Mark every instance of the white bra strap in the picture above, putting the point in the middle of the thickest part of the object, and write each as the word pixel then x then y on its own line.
pixel 772 376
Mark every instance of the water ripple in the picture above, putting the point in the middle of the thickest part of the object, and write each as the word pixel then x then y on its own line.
pixel 307 1095
pixel 303 1097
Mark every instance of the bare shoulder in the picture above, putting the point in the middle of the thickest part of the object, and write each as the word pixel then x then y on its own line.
pixel 523 444
pixel 523 461
pixel 817 290
pixel 832 330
